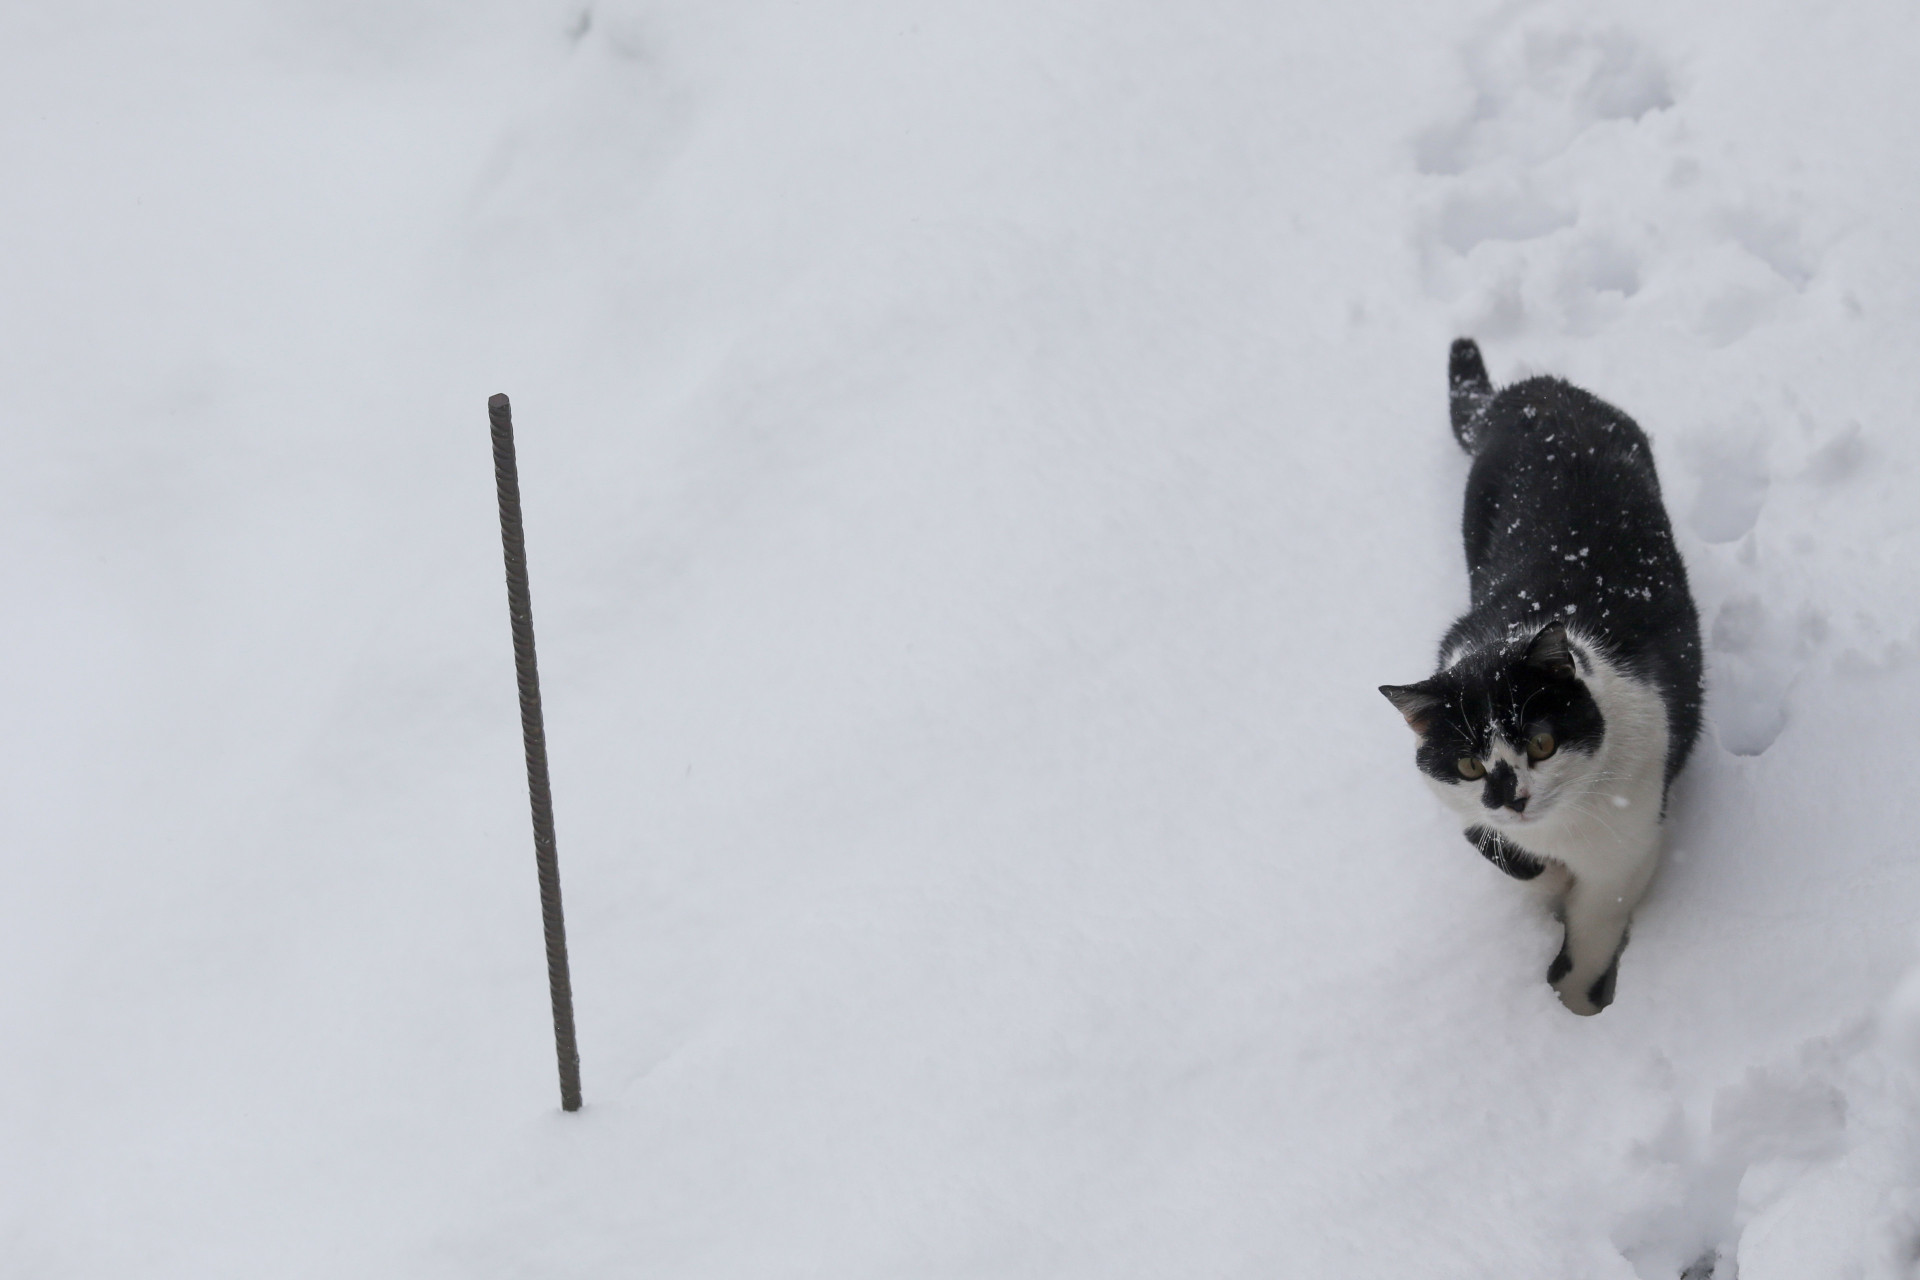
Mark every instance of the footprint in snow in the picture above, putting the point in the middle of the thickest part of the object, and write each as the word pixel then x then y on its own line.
pixel 1769 622
pixel 1508 237
pixel 1564 186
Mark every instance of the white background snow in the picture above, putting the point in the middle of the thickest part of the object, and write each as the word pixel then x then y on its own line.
pixel 979 462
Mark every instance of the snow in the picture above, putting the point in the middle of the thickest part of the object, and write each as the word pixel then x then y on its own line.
pixel 979 462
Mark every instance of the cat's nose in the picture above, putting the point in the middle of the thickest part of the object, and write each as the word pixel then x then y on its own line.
pixel 1501 784
pixel 1518 804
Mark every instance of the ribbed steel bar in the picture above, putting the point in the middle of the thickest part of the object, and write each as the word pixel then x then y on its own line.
pixel 506 474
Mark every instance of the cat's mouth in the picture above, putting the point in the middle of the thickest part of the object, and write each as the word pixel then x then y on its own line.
pixel 1540 806
pixel 1507 816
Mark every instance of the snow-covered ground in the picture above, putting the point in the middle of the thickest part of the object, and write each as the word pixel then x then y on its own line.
pixel 979 461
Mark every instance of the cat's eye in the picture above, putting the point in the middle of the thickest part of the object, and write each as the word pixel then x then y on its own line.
pixel 1540 746
pixel 1470 768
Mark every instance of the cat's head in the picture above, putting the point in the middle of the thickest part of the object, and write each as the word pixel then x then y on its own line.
pixel 1507 732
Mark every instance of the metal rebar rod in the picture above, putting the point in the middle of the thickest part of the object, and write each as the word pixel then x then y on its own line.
pixel 506 476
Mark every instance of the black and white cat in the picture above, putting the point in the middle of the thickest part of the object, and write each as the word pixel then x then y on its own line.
pixel 1569 695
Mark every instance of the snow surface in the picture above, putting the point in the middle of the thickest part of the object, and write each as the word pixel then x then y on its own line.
pixel 979 461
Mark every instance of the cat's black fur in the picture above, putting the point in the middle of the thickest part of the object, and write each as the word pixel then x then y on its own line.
pixel 1564 522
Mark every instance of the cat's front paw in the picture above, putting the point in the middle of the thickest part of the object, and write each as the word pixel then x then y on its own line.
pixel 1582 995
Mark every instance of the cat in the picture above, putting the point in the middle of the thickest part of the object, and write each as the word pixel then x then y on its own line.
pixel 1568 696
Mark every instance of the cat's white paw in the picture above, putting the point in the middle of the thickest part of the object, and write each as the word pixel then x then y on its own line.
pixel 1581 990
pixel 1576 1000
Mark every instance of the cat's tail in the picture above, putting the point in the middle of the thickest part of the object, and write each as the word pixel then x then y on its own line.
pixel 1468 390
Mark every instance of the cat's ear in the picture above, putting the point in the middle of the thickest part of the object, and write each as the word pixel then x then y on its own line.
pixel 1416 702
pixel 1550 651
